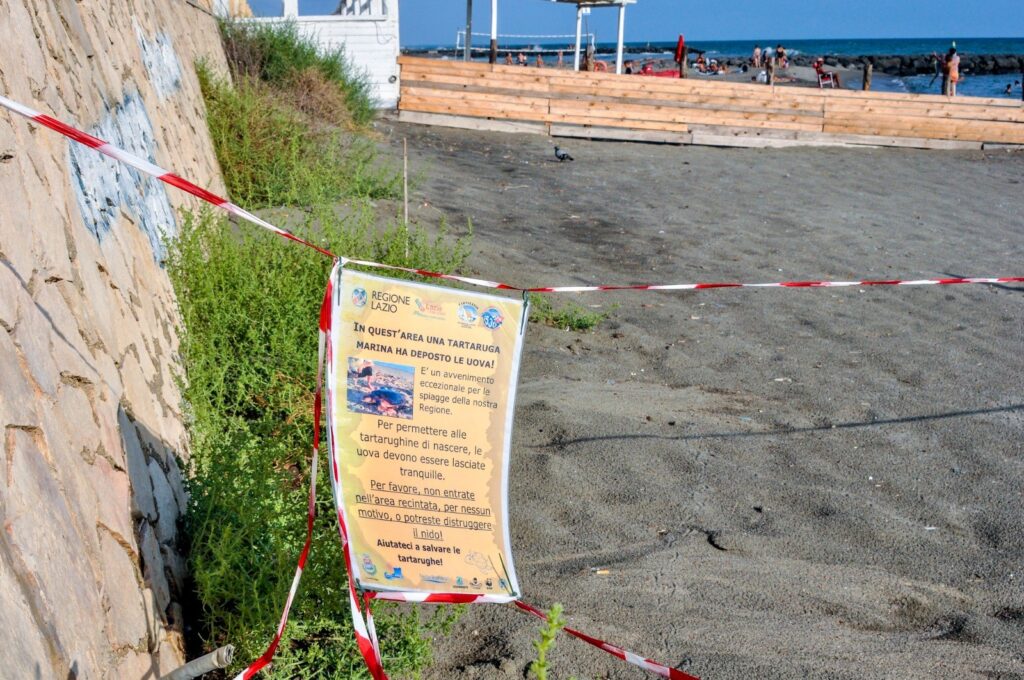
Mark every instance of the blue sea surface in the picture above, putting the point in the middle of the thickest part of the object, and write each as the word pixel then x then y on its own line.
pixel 969 86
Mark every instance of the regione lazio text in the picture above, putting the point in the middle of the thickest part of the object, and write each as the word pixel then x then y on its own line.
pixel 421 386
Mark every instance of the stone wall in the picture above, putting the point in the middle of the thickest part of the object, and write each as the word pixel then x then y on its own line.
pixel 91 575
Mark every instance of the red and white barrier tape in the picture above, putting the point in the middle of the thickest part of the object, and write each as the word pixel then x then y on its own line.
pixel 459 598
pixel 183 184
pixel 629 657
pixel 148 168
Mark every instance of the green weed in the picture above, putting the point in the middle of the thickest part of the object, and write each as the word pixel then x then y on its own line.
pixel 570 316
pixel 277 54
pixel 271 155
pixel 540 667
pixel 286 133
pixel 248 303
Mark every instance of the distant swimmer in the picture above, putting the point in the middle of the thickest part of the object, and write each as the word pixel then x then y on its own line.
pixel 562 155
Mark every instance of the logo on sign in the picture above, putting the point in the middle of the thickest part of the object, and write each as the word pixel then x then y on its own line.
pixel 432 310
pixel 467 313
pixel 393 573
pixel 492 318
pixel 359 297
pixel 368 566
pixel 435 579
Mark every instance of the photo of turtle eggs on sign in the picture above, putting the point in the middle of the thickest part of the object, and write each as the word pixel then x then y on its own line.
pixel 380 388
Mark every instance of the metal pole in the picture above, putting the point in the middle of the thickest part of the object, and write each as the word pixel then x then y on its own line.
pixel 468 53
pixel 622 31
pixel 579 24
pixel 494 31
pixel 219 658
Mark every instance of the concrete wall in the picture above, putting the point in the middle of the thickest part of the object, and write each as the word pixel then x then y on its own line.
pixel 91 575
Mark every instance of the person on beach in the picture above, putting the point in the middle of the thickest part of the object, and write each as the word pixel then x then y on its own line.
pixel 540 61
pixel 780 56
pixel 950 64
pixel 521 60
pixel 1009 90
pixel 509 61
pixel 951 71
pixel 756 61
pixel 561 61
pixel 819 68
pixel 628 69
pixel 953 66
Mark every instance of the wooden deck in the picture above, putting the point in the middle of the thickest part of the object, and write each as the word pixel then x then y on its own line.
pixel 695 111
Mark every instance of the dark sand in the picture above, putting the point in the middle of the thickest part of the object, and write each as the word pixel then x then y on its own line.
pixel 805 483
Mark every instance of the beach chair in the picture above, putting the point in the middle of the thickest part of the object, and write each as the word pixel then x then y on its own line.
pixel 824 77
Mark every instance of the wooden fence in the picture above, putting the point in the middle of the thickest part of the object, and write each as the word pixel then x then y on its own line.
pixel 697 111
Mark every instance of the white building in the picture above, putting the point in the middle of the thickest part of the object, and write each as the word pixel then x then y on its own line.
pixel 367 29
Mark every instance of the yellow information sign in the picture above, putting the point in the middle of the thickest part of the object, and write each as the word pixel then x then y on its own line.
pixel 422 386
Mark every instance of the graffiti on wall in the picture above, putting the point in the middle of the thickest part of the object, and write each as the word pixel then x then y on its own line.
pixel 161 63
pixel 105 188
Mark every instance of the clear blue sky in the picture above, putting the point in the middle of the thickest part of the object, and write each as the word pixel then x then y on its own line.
pixel 434 22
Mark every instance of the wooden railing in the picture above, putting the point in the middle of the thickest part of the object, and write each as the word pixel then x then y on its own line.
pixel 693 110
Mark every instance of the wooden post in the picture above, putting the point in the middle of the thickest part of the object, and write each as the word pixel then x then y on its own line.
pixel 1022 81
pixel 868 68
pixel 405 177
pixel 405 193
pixel 771 72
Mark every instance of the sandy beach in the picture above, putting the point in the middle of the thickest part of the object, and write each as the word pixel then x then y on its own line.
pixel 755 483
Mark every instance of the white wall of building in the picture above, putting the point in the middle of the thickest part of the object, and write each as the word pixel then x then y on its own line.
pixel 371 47
pixel 367 30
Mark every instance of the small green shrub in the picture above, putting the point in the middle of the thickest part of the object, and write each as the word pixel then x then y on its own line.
pixel 570 316
pixel 249 305
pixel 276 54
pixel 271 155
pixel 540 667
